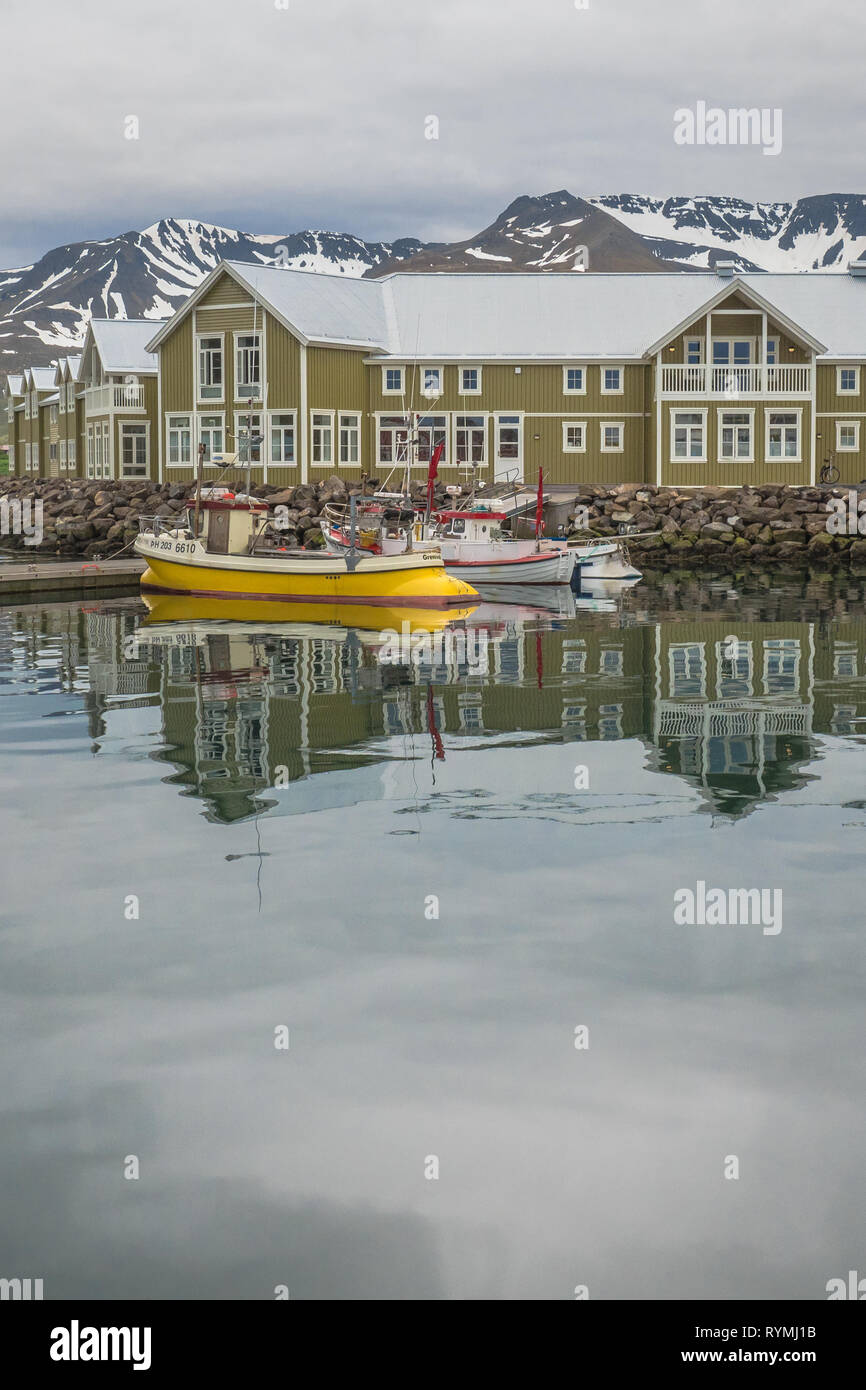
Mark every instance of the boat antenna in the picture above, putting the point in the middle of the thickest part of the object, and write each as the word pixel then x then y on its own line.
pixel 198 489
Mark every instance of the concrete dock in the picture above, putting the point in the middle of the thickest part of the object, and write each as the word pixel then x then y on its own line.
pixel 20 579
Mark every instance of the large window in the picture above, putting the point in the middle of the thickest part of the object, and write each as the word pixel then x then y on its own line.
pixel 393 439
pixel 350 440
pixel 133 451
pixel 688 434
pixel 783 434
pixel 432 431
pixel 283 439
pixel 248 366
pixel 323 439
pixel 248 437
pixel 471 439
pixel 179 441
pixel 211 434
pixel 210 368
pixel 735 435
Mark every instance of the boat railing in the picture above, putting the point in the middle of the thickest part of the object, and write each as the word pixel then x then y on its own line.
pixel 159 525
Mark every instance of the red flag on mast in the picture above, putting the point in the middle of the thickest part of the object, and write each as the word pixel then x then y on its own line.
pixel 432 471
pixel 539 507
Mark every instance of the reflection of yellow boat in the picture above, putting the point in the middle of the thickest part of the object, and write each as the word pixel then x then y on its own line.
pixel 191 609
pixel 229 559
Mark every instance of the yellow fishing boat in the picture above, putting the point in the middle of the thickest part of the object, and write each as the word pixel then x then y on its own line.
pixel 229 550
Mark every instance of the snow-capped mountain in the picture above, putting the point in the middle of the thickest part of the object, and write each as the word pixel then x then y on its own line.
pixel 45 307
pixel 819 233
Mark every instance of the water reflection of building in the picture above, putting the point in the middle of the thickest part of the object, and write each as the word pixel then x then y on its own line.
pixel 245 709
pixel 735 720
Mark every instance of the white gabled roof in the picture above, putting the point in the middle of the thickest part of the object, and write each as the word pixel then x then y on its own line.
pixel 122 343
pixel 39 378
pixel 526 316
pixel 14 384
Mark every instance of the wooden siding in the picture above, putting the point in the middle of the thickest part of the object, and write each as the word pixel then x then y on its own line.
pixel 833 408
pixel 735 326
pixel 224 290
pixel 176 369
pixel 735 472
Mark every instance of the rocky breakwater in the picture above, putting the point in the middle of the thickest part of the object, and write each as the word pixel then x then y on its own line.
pixel 727 527
pixel 97 520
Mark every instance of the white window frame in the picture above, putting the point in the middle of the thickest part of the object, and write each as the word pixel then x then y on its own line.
pixel 422 422
pixel 483 415
pixel 280 414
pixel 847 425
pixel 430 395
pixel 612 390
pixel 693 338
pixel 847 391
pixel 199 339
pixel 392 429
pixel 783 458
pixel 314 415
pixel 609 425
pixel 28 457
pixel 465 390
pixel 53 414
pixel 61 399
pixel 63 455
pixel 34 458
pixel 126 425
pixel 735 458
pixel 171 427
pixel 241 425
pixel 688 410
pixel 393 390
pixel 573 425
pixel 242 394
pixel 200 427
pixel 574 390
pixel 358 428
pixel 71 454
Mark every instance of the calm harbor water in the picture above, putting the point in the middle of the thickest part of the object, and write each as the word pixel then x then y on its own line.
pixel 433 865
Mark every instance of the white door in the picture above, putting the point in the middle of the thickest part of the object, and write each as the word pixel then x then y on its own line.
pixel 508 448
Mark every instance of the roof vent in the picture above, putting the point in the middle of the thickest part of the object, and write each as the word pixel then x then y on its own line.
pixel 726 269
pixel 857 268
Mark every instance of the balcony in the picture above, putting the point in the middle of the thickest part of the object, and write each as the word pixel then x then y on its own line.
pixel 98 400
pixel 790 381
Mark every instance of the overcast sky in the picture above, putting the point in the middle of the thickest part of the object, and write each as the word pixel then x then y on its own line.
pixel 272 119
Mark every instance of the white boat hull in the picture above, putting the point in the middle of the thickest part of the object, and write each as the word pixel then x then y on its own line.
pixel 491 562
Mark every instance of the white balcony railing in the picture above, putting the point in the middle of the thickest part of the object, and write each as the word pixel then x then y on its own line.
pixel 731 382
pixel 129 396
